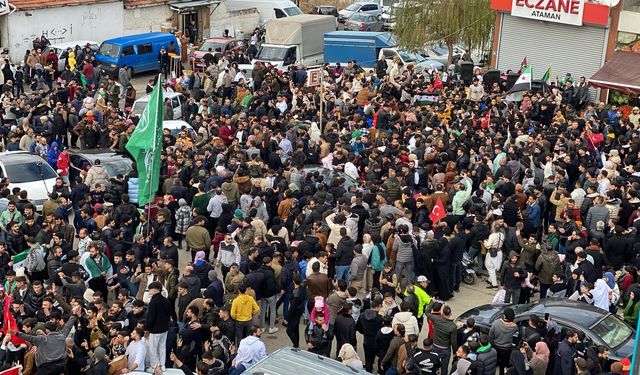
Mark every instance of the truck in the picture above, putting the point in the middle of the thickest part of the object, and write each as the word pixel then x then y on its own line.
pixel 366 47
pixel 295 40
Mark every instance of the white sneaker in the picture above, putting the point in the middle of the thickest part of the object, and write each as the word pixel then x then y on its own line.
pixel 273 330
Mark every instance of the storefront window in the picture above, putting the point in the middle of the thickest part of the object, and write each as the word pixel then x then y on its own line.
pixel 631 5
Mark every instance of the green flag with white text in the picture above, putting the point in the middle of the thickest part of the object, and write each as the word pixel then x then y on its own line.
pixel 145 145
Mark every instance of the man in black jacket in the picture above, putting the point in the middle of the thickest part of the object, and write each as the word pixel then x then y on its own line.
pixel 369 323
pixel 296 309
pixel 345 328
pixel 269 293
pixel 157 323
pixel 456 246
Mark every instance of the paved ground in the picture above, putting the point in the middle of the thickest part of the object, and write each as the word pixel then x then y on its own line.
pixel 469 296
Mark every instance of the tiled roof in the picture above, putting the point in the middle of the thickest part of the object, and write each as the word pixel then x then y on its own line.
pixel 38 4
pixel 143 3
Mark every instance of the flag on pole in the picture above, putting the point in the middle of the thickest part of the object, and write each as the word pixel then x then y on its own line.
pixel 12 371
pixel 438 213
pixel 546 77
pixel 9 321
pixel 523 65
pixel 486 120
pixel 524 81
pixel 145 146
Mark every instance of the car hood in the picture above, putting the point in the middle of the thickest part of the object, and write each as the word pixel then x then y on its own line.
pixel 484 314
pixel 37 190
pixel 105 60
pixel 199 54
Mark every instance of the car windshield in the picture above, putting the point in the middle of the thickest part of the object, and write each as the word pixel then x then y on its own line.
pixel 410 57
pixel 292 11
pixel 210 44
pixel 115 167
pixel 108 49
pixel 271 53
pixel 612 331
pixel 353 7
pixel 358 17
pixel 29 172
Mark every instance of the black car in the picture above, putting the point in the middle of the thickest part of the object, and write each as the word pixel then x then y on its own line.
pixel 114 163
pixel 599 326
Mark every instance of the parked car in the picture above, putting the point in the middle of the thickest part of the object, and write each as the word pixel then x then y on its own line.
pixel 60 48
pixel 440 53
pixel 28 172
pixel 327 10
pixel 600 327
pixel 114 163
pixel 292 361
pixel 364 22
pixel 178 101
pixel 138 52
pixel 176 126
pixel 214 44
pixel 373 9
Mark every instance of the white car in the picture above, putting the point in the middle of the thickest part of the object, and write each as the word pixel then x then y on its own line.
pixel 60 48
pixel 175 127
pixel 178 101
pixel 373 9
pixel 28 172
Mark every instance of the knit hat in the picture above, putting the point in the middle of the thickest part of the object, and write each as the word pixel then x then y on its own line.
pixel 237 214
pixel 182 202
pixel 200 255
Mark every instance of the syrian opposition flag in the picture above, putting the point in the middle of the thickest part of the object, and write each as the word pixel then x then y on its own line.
pixel 523 83
pixel 438 212
pixel 12 371
pixel 20 259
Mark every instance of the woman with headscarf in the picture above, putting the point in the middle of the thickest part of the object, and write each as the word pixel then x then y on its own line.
pixel 600 294
pixel 632 308
pixel 201 267
pixel 518 362
pixel 349 357
pixel 538 360
pixel 53 154
pixel 614 298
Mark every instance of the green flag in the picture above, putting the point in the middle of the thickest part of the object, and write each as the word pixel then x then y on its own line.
pixel 546 77
pixel 145 146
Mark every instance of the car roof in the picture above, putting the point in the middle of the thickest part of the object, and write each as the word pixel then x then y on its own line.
pixel 175 124
pixel 18 157
pixel 100 154
pixel 164 95
pixel 569 310
pixel 140 38
pixel 288 361
pixel 220 39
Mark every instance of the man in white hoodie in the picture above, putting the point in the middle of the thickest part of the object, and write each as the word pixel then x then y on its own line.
pixel 250 351
pixel 406 318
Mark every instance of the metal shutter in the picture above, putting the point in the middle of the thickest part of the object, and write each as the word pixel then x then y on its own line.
pixel 567 48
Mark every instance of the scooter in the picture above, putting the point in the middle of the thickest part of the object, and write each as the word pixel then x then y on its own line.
pixel 468 273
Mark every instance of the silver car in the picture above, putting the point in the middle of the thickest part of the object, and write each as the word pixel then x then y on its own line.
pixel 364 22
pixel 373 9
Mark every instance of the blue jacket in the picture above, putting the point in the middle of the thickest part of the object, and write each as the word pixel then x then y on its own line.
pixel 132 189
pixel 534 215
pixel 52 156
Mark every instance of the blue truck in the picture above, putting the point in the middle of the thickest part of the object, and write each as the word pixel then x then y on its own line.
pixel 362 46
pixel 366 47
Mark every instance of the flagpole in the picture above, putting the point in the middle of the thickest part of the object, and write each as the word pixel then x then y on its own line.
pixel 153 150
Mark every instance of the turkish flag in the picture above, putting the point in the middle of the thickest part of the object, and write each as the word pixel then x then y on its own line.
pixel 485 120
pixel 12 371
pixel 438 212
pixel 10 321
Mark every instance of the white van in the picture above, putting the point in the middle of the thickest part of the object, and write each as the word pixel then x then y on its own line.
pixel 59 48
pixel 268 9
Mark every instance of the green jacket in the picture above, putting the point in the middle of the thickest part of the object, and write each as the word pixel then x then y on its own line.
pixel 631 312
pixel 461 197
pixel 423 298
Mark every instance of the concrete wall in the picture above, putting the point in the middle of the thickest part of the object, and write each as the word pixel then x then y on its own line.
pixel 146 19
pixel 64 24
pixel 240 23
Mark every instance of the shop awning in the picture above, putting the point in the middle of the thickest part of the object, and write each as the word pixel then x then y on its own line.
pixel 186 5
pixel 621 73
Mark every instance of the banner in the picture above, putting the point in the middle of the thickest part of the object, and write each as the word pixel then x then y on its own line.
pixel 559 11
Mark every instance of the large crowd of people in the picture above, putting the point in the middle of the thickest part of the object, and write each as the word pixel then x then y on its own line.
pixel 281 209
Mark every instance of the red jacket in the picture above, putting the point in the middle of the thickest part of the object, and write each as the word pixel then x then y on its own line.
pixel 63 164
pixel 226 134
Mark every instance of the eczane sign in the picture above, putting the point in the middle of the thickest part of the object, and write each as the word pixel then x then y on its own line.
pixel 560 11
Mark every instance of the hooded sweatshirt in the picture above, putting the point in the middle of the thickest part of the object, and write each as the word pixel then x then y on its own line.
pixel 408 320
pixel 250 351
pixel 501 333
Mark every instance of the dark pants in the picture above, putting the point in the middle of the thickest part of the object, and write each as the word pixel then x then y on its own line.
pixel 543 290
pixel 504 355
pixel 236 370
pixel 51 368
pixel 445 356
pixel 512 295
pixel 376 281
pixel 293 330
pixel 242 330
pixel 456 276
pixel 369 356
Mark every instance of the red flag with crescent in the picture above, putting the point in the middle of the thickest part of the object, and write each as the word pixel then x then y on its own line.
pixel 438 213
